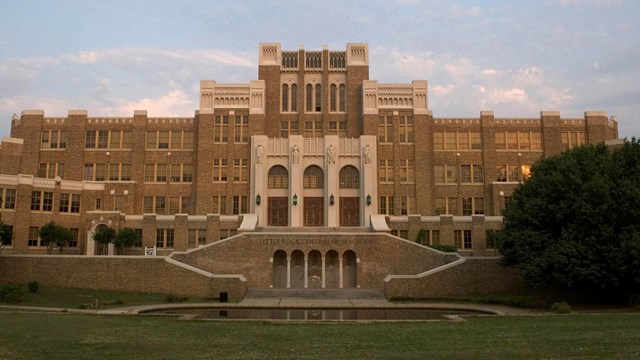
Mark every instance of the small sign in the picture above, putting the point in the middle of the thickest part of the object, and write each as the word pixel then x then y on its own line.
pixel 150 251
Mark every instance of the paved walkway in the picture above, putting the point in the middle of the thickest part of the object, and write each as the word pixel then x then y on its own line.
pixel 288 303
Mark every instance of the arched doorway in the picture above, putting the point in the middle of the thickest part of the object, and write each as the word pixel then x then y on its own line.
pixel 297 269
pixel 313 178
pixel 278 207
pixel 350 272
pixel 280 269
pixel 332 269
pixel 314 274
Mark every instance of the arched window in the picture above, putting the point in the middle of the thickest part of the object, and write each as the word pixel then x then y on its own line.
pixel 333 98
pixel 318 97
pixel 309 97
pixel 278 178
pixel 343 98
pixel 313 178
pixel 349 178
pixel 294 97
pixel 285 97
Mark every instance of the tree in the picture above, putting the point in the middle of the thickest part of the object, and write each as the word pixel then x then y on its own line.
pixel 104 236
pixel 53 234
pixel 575 223
pixel 126 238
pixel 6 235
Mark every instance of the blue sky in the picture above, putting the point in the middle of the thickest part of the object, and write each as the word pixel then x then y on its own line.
pixel 516 58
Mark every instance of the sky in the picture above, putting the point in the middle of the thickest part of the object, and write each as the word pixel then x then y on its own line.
pixel 516 58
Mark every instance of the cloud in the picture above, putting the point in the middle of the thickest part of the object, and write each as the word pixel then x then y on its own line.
pixel 174 103
pixel 598 3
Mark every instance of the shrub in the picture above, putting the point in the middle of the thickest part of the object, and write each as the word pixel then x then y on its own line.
pixel 33 287
pixel 444 248
pixel 561 308
pixel 11 293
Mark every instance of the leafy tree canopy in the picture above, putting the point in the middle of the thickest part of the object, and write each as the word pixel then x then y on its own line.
pixel 125 238
pixel 53 234
pixel 576 222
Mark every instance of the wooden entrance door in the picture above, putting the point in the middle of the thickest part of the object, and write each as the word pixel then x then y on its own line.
pixel 313 211
pixel 278 211
pixel 349 211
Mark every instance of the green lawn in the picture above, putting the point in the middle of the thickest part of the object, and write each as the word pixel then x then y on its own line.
pixel 67 336
pixel 75 298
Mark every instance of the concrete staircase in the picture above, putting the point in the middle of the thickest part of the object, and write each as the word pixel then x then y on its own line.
pixel 308 229
pixel 255 293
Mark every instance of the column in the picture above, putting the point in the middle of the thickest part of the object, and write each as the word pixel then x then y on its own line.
pixel 323 274
pixel 306 272
pixel 340 264
pixel 288 272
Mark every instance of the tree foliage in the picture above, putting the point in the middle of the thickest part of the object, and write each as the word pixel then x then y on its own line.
pixel 104 236
pixel 6 235
pixel 576 222
pixel 125 238
pixel 53 235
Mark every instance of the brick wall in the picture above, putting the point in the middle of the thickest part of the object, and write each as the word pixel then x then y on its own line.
pixel 474 276
pixel 144 274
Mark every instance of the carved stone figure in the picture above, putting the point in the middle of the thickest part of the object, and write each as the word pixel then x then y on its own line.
pixel 331 154
pixel 259 154
pixel 367 155
pixel 295 154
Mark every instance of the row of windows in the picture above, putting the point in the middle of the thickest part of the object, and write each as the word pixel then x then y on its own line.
pixel 240 170
pixel 313 128
pixel 313 96
pixel 43 201
pixel 240 126
pixel 512 173
pixel 50 170
pixel 457 140
pixel 429 237
pixel 405 129
pixel 406 171
pixel 171 140
pixel 239 205
pixel 177 173
pixel 518 140
pixel 313 60
pixel 448 174
pixel 387 206
pixel 573 138
pixel 54 139
pixel 158 205
pixel 102 172
pixel 466 206
pixel 313 178
pixel 108 139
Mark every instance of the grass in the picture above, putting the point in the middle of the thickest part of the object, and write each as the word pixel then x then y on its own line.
pixel 76 298
pixel 67 336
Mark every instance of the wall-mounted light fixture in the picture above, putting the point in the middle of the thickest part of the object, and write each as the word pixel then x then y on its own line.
pixel 368 199
pixel 332 200
pixel 294 199
pixel 258 199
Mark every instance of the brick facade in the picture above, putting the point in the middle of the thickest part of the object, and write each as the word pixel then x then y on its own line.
pixel 197 176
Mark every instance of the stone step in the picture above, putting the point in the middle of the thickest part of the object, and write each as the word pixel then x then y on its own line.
pixel 354 229
pixel 315 293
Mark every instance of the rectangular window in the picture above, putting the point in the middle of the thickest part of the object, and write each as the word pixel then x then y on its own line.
pixel 174 205
pixel 466 239
pixel 463 140
pixel 64 203
pixel 219 170
pixel 138 242
pixel 407 171
pixel 47 201
pixel 385 129
pixel 160 205
pixel 191 238
pixel 9 196
pixel 452 206
pixel 118 203
pixel 34 236
pixel 127 139
pixel 386 205
pixel 450 142
pixel 220 129
pixel 187 140
pixel 406 129
pixel 241 131
pixel 161 172
pixel 434 237
pixel 35 200
pixel 240 170
pixel 187 172
pixel 163 139
pixel 103 139
pixel 438 141
pixel 465 173
pixel 176 140
pixel 236 205
pixel 219 205
pixel 148 205
pixel 478 174
pixel 115 139
pixel 90 139
pixel 75 203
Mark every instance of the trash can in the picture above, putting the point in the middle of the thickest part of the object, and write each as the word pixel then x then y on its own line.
pixel 224 297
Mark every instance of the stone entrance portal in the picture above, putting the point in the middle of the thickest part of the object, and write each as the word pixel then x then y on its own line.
pixel 349 211
pixel 278 211
pixel 314 270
